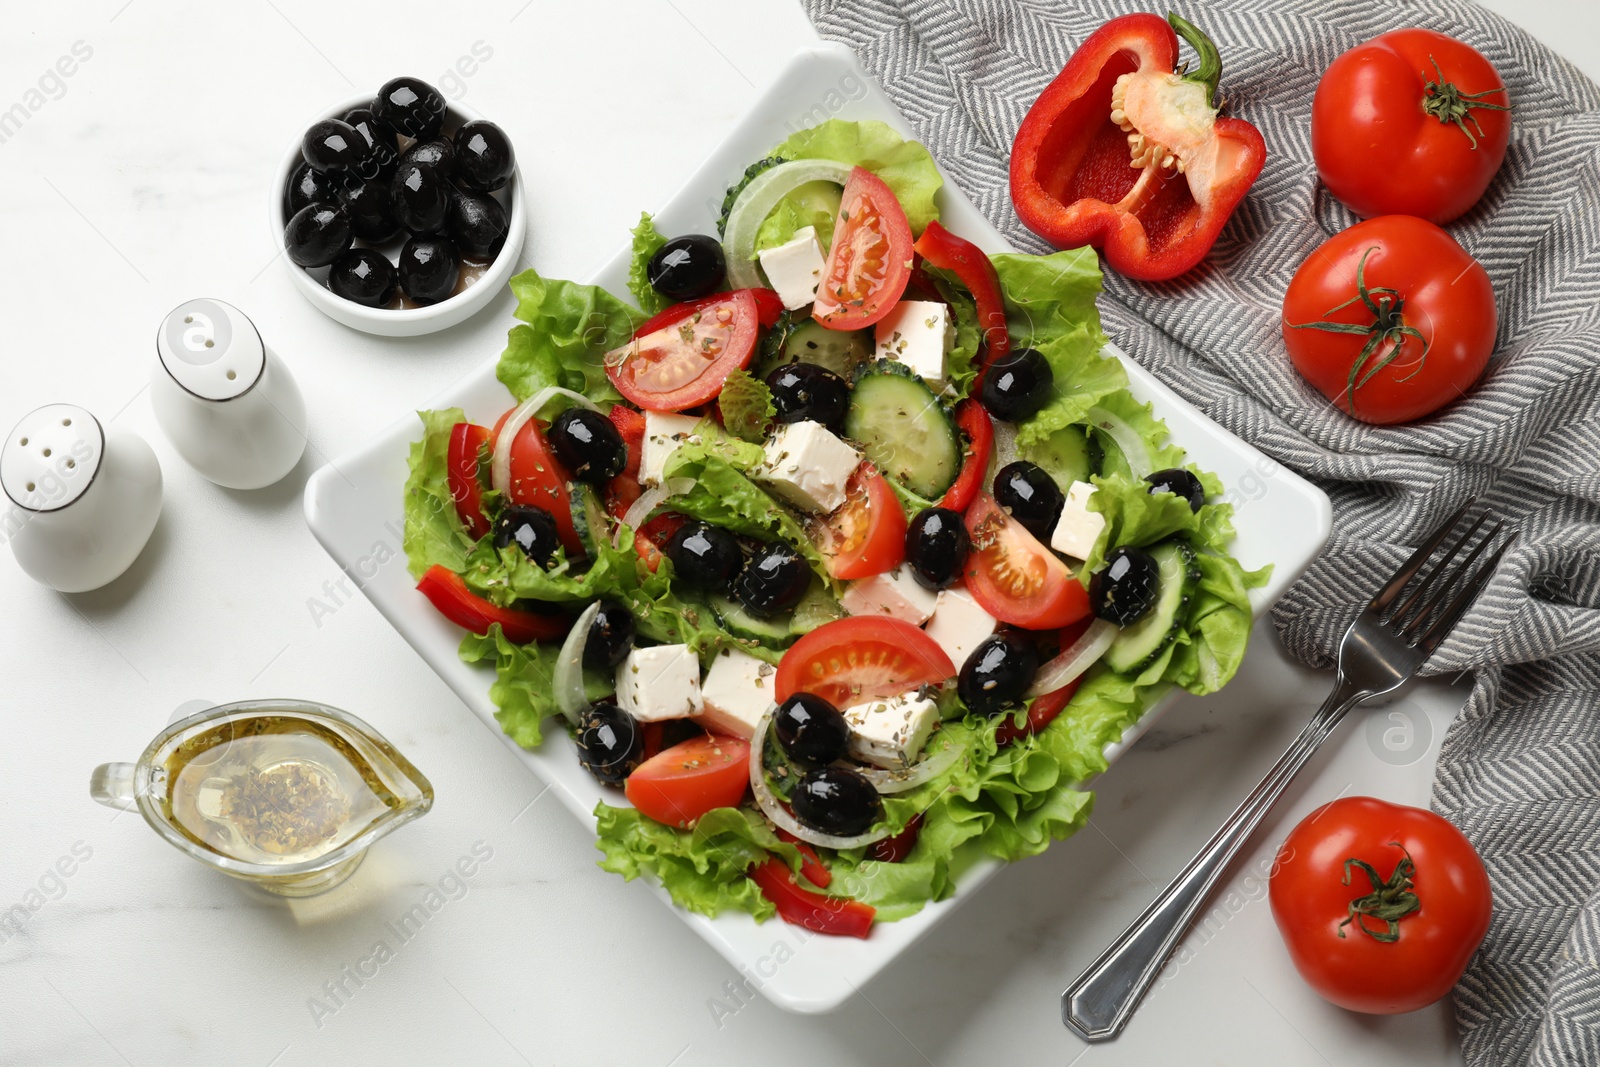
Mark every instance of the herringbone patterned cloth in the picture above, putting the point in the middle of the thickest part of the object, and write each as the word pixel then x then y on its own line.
pixel 1520 769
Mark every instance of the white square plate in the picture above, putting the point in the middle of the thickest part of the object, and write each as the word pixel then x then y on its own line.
pixel 1282 519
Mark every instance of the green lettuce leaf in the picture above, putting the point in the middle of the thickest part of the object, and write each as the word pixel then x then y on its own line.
pixel 570 327
pixel 746 406
pixel 433 532
pixel 646 243
pixel 524 687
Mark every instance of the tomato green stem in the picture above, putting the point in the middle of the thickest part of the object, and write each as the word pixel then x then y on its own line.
pixel 1209 72
pixel 1390 901
pixel 1447 103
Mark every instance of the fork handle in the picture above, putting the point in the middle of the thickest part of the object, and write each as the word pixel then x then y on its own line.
pixel 1100 1002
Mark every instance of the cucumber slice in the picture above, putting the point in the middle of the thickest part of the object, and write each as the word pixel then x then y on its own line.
pixel 840 351
pixel 1064 455
pixel 777 631
pixel 589 518
pixel 1137 645
pixel 1112 461
pixel 904 429
pixel 815 608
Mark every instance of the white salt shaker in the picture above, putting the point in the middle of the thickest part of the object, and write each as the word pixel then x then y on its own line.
pixel 224 399
pixel 82 499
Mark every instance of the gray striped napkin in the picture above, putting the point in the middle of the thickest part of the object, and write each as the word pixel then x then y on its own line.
pixel 1519 771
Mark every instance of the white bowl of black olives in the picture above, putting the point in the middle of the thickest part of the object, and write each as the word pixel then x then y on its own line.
pixel 400 214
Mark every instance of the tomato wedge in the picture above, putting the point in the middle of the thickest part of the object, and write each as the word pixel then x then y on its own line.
pixel 684 782
pixel 870 261
pixel 811 868
pixel 866 535
pixel 974 421
pixel 630 424
pixel 467 442
pixel 865 657
pixel 769 305
pixel 972 267
pixel 445 589
pixel 539 479
pixel 1014 577
pixel 685 362
pixel 801 907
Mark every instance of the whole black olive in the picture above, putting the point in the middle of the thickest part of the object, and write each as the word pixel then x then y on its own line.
pixel 804 392
pixel 364 276
pixel 1179 482
pixel 610 637
pixel 936 547
pixel 997 673
pixel 477 224
pixel 1018 386
pixel 588 445
pixel 421 197
pixel 332 146
pixel 610 743
pixel 429 269
pixel 484 158
pixel 687 267
pixel 1032 497
pixel 811 730
pixel 411 106
pixel 530 529
pixel 383 147
pixel 307 186
pixel 370 210
pixel 704 555
pixel 1125 589
pixel 437 154
pixel 773 581
pixel 317 235
pixel 836 800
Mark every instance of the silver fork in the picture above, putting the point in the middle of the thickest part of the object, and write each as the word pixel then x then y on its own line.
pixel 1383 648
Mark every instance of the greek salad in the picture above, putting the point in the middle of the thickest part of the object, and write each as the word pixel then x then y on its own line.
pixel 841 552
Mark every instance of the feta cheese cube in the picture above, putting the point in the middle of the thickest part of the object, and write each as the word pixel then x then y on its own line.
pixel 794 268
pixel 959 624
pixel 1078 528
pixel 661 682
pixel 894 593
pixel 919 334
pixel 663 433
pixel 891 733
pixel 737 692
pixel 808 466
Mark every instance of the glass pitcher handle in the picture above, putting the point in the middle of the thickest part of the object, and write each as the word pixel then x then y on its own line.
pixel 112 785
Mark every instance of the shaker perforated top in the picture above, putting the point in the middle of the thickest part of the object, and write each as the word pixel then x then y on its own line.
pixel 51 457
pixel 211 349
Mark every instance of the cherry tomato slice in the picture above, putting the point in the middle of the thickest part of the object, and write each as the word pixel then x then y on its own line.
pixel 1014 577
pixel 769 305
pixel 974 421
pixel 447 592
pixel 685 362
pixel 630 424
pixel 467 443
pixel 801 907
pixel 865 657
pixel 684 782
pixel 867 534
pixel 539 479
pixel 870 261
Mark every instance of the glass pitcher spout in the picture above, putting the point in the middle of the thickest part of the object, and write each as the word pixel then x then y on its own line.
pixel 112 785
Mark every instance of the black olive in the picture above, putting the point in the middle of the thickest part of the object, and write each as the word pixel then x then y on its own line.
pixel 1179 482
pixel 421 197
pixel 588 444
pixel 1032 497
pixel 307 186
pixel 370 210
pixel 333 147
pixel 1125 589
pixel 610 637
pixel 936 547
pixel 411 106
pixel 477 224
pixel 364 276
pixel 1018 386
pixel 836 800
pixel 317 235
pixel 484 159
pixel 774 579
pixel 438 154
pixel 804 392
pixel 429 269
pixel 687 267
pixel 705 555
pixel 383 147
pixel 610 743
pixel 531 529
pixel 811 730
pixel 998 673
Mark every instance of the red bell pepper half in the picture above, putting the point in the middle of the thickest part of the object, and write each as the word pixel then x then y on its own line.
pixel 801 907
pixel 445 589
pixel 1122 152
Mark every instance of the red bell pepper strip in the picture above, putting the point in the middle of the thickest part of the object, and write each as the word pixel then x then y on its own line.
pixel 967 262
pixel 467 442
pixel 1137 164
pixel 470 611
pixel 801 907
pixel 630 425
pixel 769 305
pixel 810 863
pixel 974 422
pixel 1041 713
pixel 896 848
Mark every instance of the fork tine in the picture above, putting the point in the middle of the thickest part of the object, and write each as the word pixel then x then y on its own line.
pixel 1440 590
pixel 1409 571
pixel 1441 629
pixel 1426 584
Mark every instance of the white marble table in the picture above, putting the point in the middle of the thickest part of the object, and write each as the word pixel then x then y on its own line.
pixel 141 180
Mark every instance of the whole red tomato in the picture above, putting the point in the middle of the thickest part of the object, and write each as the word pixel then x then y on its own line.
pixel 1410 123
pixel 1390 319
pixel 1380 905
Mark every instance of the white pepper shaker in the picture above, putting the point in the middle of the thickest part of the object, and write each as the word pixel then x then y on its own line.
pixel 224 399
pixel 82 499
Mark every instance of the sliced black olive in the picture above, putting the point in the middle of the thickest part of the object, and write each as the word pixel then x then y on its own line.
pixel 610 743
pixel 836 800
pixel 588 445
pixel 370 210
pixel 317 235
pixel 806 392
pixel 307 186
pixel 1032 497
pixel 1179 482
pixel 429 268
pixel 484 158
pixel 383 147
pixel 1125 589
pixel 531 529
pixel 364 276
pixel 998 673
pixel 774 579
pixel 610 636
pixel 811 730
pixel 687 267
pixel 477 224
pixel 421 197
pixel 1018 386
pixel 333 146
pixel 704 555
pixel 936 547
pixel 411 106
